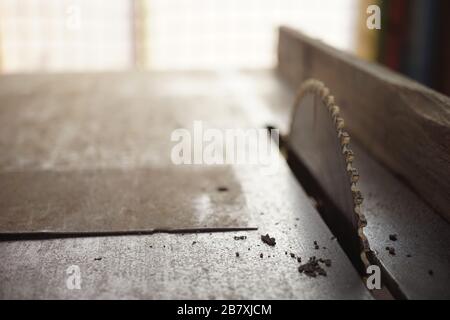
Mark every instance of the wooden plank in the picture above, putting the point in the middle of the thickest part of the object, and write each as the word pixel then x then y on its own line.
pixel 403 124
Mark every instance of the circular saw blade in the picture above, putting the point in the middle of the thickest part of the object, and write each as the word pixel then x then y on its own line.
pixel 319 141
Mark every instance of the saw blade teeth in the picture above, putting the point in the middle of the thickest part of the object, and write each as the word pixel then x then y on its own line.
pixel 357 197
pixel 324 92
pixel 339 122
pixel 349 155
pixel 334 111
pixel 317 87
pixel 354 174
pixel 344 137
pixel 365 242
pixel 329 101
pixel 362 221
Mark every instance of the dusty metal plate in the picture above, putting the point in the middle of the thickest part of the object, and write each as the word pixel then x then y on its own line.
pixel 84 154
pixel 121 200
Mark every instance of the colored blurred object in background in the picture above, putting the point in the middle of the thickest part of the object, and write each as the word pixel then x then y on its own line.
pixel 414 40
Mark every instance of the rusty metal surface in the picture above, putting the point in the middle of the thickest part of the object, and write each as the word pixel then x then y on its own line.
pixel 202 265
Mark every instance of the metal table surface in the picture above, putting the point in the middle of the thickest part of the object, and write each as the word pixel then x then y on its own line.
pixel 420 266
pixel 50 123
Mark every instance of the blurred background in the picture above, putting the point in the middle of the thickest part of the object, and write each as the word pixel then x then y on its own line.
pixel 112 35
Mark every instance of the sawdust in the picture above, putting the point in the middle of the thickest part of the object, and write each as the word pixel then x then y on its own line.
pixel 313 268
pixel 316 246
pixel 391 250
pixel 393 237
pixel 268 240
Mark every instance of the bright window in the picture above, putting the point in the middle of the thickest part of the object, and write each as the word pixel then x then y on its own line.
pixel 83 35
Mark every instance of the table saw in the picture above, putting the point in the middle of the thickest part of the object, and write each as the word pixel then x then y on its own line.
pixel 86 179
